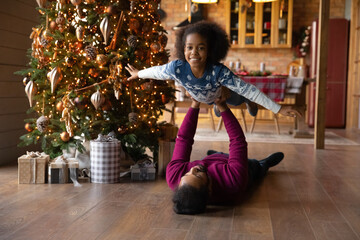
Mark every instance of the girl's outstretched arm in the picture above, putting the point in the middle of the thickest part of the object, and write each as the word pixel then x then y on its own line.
pixel 133 72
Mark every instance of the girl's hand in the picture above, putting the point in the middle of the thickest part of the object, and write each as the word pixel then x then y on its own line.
pixel 133 72
pixel 289 111
pixel 221 102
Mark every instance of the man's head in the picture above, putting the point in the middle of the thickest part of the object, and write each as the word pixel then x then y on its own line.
pixel 193 191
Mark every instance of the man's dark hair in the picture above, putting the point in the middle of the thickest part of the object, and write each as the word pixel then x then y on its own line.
pixel 190 200
pixel 217 40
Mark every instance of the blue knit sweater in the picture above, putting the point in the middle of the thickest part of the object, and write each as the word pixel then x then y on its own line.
pixel 207 88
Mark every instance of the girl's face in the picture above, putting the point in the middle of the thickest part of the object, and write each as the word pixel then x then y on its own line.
pixel 195 50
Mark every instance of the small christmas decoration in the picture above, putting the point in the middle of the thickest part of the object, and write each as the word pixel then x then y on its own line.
pixel 65 136
pixel 132 41
pixel 55 77
pixel 26 80
pixel 60 106
pixel 101 59
pixel 70 61
pixel 42 123
pixel 80 32
pixel 97 99
pixel 133 117
pixel 90 52
pixel 28 127
pixel 30 91
pixel 105 29
pixel 155 47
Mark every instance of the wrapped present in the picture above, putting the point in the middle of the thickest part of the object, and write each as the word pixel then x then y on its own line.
pixel 63 170
pixel 105 159
pixel 32 167
pixel 168 132
pixel 143 171
pixel 166 149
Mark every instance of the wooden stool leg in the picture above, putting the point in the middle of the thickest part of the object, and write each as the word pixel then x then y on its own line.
pixel 276 123
pixel 253 124
pixel 219 124
pixel 212 119
pixel 243 119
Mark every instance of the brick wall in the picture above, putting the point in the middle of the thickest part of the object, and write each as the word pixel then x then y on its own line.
pixel 305 11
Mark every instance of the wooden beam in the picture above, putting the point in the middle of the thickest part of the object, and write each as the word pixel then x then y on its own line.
pixel 320 105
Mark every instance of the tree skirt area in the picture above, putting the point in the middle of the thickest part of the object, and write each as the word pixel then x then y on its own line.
pixel 331 138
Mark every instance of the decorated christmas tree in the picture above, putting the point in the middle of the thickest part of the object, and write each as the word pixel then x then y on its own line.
pixel 77 83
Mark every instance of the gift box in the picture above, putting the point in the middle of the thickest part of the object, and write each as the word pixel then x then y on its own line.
pixel 105 159
pixel 63 170
pixel 143 171
pixel 32 167
pixel 166 149
pixel 168 132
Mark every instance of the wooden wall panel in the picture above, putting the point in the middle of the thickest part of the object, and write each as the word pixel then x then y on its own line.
pixel 17 17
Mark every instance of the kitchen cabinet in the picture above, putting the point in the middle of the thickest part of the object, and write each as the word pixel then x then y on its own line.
pixel 259 25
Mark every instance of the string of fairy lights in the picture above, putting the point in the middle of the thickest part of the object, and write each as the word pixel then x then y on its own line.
pixel 79 65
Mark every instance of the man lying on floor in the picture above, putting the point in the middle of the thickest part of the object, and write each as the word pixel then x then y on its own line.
pixel 218 178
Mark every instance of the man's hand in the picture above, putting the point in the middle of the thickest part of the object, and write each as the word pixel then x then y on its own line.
pixel 289 111
pixel 133 72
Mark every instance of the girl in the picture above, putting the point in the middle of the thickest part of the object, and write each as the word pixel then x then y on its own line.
pixel 199 49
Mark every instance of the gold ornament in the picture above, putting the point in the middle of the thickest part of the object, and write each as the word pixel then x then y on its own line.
pixel 28 127
pixel 42 123
pixel 41 3
pixel 105 29
pixel 80 32
pixel 60 106
pixel 155 47
pixel 66 116
pixel 30 91
pixel 75 2
pixel 101 59
pixel 55 77
pixel 65 137
pixel 97 99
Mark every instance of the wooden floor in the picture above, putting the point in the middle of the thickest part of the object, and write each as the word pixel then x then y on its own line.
pixel 310 195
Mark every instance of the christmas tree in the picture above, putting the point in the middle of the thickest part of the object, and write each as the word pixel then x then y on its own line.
pixel 77 84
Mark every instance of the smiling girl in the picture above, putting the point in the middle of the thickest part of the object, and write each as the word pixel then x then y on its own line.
pixel 199 48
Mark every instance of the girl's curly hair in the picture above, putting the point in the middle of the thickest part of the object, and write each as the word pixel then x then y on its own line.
pixel 217 40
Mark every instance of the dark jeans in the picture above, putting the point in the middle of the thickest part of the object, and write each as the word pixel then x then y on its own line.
pixel 235 99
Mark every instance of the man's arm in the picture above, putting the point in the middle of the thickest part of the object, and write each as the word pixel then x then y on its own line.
pixel 183 146
pixel 237 171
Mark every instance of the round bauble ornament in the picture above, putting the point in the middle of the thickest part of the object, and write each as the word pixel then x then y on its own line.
pixel 97 99
pixel 65 137
pixel 70 61
pixel 163 39
pixel 93 72
pixel 133 117
pixel 105 29
pixel 132 41
pixel 26 80
pixel 55 77
pixel 75 2
pixel 80 32
pixel 28 127
pixel 41 3
pixel 134 24
pixel 164 99
pixel 101 59
pixel 52 25
pixel 42 123
pixel 112 10
pixel 155 47
pixel 60 106
pixel 30 91
pixel 90 52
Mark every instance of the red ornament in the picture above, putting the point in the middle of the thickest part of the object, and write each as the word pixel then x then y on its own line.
pixel 28 127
